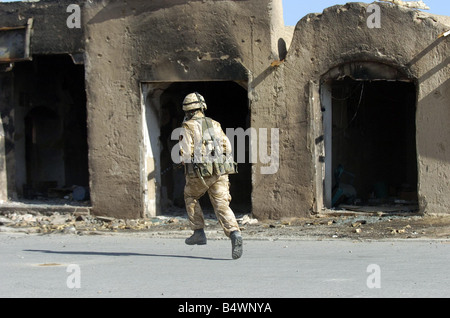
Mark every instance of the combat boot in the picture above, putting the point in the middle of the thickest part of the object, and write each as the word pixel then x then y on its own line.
pixel 236 244
pixel 198 238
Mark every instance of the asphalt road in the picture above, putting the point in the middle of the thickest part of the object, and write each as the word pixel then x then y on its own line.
pixel 133 265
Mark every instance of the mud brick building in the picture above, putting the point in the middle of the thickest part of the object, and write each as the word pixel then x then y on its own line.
pixel 362 113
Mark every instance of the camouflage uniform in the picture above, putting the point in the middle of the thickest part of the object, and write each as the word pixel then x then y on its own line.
pixel 215 182
pixel 206 153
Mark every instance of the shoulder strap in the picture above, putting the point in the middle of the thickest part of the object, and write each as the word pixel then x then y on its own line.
pixel 207 125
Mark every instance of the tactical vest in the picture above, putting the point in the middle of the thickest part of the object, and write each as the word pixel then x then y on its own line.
pixel 210 159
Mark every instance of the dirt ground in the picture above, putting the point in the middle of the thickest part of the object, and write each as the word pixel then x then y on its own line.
pixel 350 226
pixel 354 226
pixel 358 227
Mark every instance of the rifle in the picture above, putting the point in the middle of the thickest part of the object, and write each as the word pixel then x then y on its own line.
pixel 174 166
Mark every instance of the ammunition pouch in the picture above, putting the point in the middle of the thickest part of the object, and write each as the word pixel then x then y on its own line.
pixel 230 167
pixel 219 166
pixel 197 170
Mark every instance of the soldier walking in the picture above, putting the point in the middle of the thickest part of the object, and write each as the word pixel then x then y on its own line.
pixel 206 154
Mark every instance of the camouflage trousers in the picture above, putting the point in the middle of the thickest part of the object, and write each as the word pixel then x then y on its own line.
pixel 218 188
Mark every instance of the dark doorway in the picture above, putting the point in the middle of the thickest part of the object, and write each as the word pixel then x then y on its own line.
pixel 44 155
pixel 228 104
pixel 51 150
pixel 374 160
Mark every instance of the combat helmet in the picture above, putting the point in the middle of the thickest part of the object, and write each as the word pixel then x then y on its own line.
pixel 194 101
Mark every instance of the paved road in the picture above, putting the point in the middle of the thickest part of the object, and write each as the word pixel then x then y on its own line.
pixel 139 266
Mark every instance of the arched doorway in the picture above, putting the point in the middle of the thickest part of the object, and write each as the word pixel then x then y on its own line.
pixel 50 127
pixel 369 138
pixel 163 185
pixel 43 150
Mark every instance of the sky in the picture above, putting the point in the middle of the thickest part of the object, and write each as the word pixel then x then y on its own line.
pixel 294 10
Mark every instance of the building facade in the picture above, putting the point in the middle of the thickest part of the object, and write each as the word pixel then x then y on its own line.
pixel 337 110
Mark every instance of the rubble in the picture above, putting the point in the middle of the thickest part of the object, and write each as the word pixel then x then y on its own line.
pixel 78 223
pixel 359 227
pixel 247 219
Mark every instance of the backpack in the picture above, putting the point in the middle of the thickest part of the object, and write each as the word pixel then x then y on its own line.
pixel 213 160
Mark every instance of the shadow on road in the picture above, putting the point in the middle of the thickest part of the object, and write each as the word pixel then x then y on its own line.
pixel 125 254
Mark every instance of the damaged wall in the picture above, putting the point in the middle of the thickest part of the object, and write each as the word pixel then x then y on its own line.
pixel 136 47
pixel 49 35
pixel 6 133
pixel 433 127
pixel 407 41
pixel 132 42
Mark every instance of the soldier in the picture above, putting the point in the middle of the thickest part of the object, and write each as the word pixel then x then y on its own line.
pixel 206 155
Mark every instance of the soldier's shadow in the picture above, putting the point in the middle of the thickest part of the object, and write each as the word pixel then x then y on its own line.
pixel 120 254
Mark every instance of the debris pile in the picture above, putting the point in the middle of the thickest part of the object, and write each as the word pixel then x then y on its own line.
pixel 79 223
pixel 83 223
pixel 246 220
pixel 355 226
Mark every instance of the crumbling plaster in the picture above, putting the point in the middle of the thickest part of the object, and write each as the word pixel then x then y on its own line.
pixel 127 43
pixel 131 42
pixel 408 41
pixel 50 34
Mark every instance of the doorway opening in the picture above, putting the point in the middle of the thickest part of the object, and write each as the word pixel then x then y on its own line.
pixel 370 144
pixel 50 132
pixel 227 103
